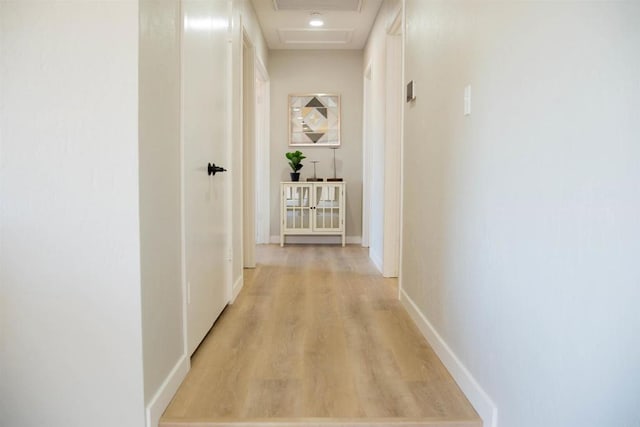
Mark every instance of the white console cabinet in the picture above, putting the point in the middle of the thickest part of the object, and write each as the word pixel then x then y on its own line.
pixel 312 208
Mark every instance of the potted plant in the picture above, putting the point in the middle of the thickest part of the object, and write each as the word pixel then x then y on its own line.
pixel 294 161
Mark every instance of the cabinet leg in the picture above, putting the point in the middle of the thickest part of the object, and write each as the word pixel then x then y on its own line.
pixel 343 240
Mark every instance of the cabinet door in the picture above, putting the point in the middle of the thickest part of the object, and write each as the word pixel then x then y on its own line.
pixel 296 199
pixel 329 207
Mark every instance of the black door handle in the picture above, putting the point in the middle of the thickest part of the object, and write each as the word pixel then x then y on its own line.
pixel 212 169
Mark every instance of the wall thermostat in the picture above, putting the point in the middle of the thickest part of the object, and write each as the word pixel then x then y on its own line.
pixel 411 91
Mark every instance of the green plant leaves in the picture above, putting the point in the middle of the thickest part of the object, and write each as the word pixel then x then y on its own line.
pixel 294 160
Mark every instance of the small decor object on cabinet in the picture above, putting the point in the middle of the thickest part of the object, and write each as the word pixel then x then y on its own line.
pixel 335 178
pixel 294 161
pixel 314 120
pixel 312 208
pixel 315 177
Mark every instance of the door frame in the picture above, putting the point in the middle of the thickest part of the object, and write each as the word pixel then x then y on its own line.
pixel 262 150
pixel 392 68
pixel 366 155
pixel 248 153
pixel 393 147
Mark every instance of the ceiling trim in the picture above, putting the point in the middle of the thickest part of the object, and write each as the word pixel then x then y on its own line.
pixel 316 5
pixel 308 36
pixel 358 23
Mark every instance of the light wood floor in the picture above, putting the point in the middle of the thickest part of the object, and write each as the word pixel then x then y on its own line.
pixel 317 337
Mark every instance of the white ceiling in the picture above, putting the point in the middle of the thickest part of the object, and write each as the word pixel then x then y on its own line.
pixel 347 23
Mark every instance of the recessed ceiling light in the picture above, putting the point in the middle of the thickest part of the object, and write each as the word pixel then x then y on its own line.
pixel 316 20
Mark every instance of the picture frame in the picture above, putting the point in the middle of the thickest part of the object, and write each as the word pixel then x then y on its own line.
pixel 314 120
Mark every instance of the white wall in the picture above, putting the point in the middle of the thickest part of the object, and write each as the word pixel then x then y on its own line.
pixel 91 276
pixel 521 221
pixel 159 163
pixel 71 345
pixel 304 71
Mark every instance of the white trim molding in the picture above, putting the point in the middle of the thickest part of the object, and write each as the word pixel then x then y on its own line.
pixel 478 398
pixel 167 390
pixel 377 261
pixel 237 287
pixel 316 240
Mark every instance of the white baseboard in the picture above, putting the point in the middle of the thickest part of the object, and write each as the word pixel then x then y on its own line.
pixel 313 240
pixel 377 261
pixel 163 396
pixel 354 240
pixel 237 287
pixel 480 400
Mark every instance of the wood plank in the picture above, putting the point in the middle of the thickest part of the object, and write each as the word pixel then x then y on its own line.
pixel 317 337
pixel 321 422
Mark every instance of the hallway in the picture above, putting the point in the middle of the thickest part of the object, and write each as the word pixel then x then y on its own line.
pixel 317 337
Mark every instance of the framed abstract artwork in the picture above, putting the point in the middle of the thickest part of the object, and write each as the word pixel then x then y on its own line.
pixel 314 120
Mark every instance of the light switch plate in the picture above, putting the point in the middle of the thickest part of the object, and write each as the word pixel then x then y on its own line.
pixel 467 100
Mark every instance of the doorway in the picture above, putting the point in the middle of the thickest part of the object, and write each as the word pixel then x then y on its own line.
pixel 262 143
pixel 382 162
pixel 248 154
pixel 393 149
pixel 366 155
pixel 255 152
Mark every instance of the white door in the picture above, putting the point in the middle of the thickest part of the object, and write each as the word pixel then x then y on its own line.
pixel 205 113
